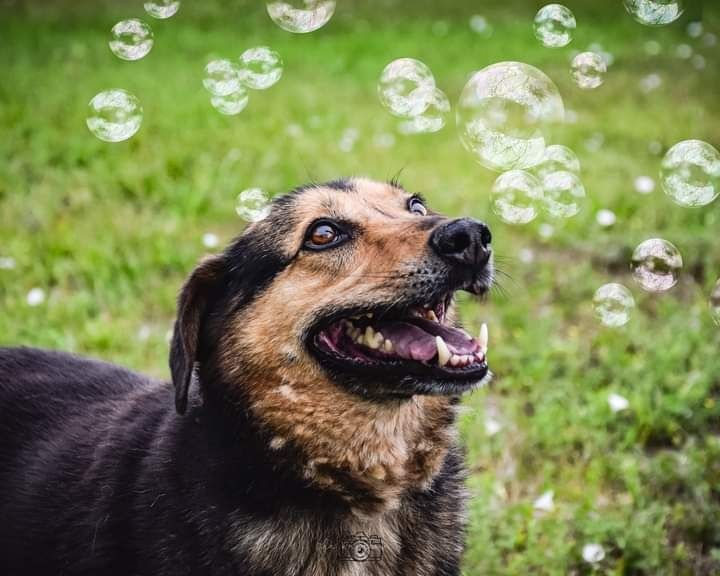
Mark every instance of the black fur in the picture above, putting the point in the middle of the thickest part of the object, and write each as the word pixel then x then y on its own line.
pixel 99 475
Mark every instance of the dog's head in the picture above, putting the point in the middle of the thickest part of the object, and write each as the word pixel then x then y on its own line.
pixel 350 283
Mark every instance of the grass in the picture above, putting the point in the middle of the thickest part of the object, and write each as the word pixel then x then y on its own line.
pixel 110 231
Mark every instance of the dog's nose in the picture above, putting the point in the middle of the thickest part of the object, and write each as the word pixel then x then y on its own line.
pixel 464 241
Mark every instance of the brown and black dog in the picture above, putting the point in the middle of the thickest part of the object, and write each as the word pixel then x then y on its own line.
pixel 320 437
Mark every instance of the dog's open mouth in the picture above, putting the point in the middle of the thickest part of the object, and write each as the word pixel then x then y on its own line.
pixel 416 340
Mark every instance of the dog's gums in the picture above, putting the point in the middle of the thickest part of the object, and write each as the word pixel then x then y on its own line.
pixel 419 336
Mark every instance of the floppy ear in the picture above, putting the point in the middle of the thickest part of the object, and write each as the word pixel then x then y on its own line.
pixel 192 307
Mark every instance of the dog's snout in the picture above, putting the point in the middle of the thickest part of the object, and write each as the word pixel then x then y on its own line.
pixel 463 241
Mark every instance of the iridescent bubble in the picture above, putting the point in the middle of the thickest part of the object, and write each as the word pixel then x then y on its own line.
pixel 656 265
pixel 557 158
pixel 563 193
pixel 221 78
pixel 162 8
pixel 301 16
pixel 503 112
pixel 515 197
pixel 715 303
pixel 252 205
pixel 588 69
pixel 432 120
pixel 260 67
pixel 406 87
pixel 613 305
pixel 654 12
pixel 554 25
pixel 131 39
pixel 231 104
pixel 114 115
pixel 690 173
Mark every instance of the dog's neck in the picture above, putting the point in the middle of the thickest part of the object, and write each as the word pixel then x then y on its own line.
pixel 368 453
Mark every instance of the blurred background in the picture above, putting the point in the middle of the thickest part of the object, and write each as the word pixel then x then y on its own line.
pixel 596 449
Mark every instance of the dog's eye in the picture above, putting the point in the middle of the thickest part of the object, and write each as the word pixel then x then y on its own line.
pixel 416 206
pixel 323 235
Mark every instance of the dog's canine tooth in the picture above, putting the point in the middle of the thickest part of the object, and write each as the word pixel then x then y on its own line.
pixel 443 351
pixel 483 338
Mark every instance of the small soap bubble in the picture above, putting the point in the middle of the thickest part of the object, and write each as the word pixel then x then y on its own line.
pixel 605 218
pixel 650 82
pixel 432 120
pixel 593 553
pixel 690 173
pixel 481 26
pixel 348 139
pixel 613 305
pixel 554 25
pixel 652 47
pixel 656 265
pixel 694 29
pixel 301 16
pixel 260 67
pixel 699 62
pixel 546 231
pixel 221 77
pixel 406 87
pixel 162 9
pixel 588 69
pixel 683 51
pixel 231 104
pixel 515 197
pixel 608 57
pixel 503 112
pixel 595 142
pixel 557 158
pixel 252 205
pixel 655 148
pixel 440 28
pixel 563 193
pixel 35 297
pixel 131 39
pixel 114 115
pixel 384 140
pixel 709 39
pixel 715 303
pixel 654 12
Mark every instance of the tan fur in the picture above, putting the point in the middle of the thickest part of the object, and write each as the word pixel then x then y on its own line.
pixel 387 447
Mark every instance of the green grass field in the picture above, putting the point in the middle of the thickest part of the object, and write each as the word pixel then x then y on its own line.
pixel 109 231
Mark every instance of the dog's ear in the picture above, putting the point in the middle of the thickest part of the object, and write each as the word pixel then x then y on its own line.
pixel 192 308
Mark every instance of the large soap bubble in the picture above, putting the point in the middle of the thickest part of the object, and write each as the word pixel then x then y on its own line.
pixel 221 77
pixel 406 87
pixel 588 70
pixel 563 194
pixel 554 25
pixel 502 113
pixel 656 265
pixel 301 16
pixel 162 8
pixel 260 67
pixel 115 115
pixel 432 120
pixel 252 205
pixel 557 158
pixel 515 197
pixel 131 39
pixel 613 304
pixel 232 103
pixel 690 173
pixel 654 12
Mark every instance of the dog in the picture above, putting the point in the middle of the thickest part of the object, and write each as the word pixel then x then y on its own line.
pixel 316 369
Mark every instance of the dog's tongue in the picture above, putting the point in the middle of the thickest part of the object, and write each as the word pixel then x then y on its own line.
pixel 416 340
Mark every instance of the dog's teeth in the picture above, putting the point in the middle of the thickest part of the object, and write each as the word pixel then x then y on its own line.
pixel 483 338
pixel 371 338
pixel 443 352
pixel 378 343
pixel 369 315
pixel 388 345
pixel 432 316
pixel 455 359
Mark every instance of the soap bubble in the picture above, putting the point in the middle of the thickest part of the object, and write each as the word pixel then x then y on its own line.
pixel 115 115
pixel 502 113
pixel 221 77
pixel 588 69
pixel 563 193
pixel 406 87
pixel 699 62
pixel 554 24
pixel 131 39
pixel 652 47
pixel 613 305
pixel 301 16
pixel 690 173
pixel 348 139
pixel 654 12
pixel 683 51
pixel 715 303
pixel 162 8
pixel 260 67
pixel 656 265
pixel 650 82
pixel 481 26
pixel 557 158
pixel 694 29
pixel 252 205
pixel 230 104
pixel 432 120
pixel 515 197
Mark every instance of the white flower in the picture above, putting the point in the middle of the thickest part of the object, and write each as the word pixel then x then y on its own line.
pixel 617 403
pixel 545 502
pixel 593 553
pixel 644 184
pixel 210 240
pixel 35 297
